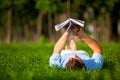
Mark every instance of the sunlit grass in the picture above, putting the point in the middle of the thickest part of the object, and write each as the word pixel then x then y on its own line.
pixel 30 61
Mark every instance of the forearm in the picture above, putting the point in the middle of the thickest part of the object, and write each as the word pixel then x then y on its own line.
pixel 93 44
pixel 61 43
pixel 90 42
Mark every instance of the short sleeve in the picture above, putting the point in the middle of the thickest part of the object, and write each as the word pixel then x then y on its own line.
pixel 55 60
pixel 98 57
pixel 97 60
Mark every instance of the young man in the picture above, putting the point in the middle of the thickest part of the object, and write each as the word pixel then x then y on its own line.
pixel 71 58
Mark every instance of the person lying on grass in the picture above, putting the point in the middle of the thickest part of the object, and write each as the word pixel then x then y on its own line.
pixel 71 58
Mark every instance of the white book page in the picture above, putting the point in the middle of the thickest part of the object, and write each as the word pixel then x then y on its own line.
pixel 78 22
pixel 70 20
pixel 60 25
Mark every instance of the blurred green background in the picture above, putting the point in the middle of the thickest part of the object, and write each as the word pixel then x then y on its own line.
pixel 29 20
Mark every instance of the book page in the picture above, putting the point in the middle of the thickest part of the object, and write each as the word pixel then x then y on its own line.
pixel 67 23
pixel 61 25
pixel 78 22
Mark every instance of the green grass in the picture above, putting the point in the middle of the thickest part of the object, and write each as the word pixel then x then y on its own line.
pixel 31 62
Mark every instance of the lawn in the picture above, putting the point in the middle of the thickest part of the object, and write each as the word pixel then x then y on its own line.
pixel 30 61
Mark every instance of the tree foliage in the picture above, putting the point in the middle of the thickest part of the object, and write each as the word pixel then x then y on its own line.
pixel 27 12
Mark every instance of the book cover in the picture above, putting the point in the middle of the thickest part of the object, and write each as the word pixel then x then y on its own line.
pixel 68 23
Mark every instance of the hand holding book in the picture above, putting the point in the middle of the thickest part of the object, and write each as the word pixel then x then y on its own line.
pixel 69 23
pixel 80 34
pixel 72 25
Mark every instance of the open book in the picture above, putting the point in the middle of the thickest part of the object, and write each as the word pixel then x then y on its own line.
pixel 68 23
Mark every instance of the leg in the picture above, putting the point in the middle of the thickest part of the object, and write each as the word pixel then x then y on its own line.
pixel 72 46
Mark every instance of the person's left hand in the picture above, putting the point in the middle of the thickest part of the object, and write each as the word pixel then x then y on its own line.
pixel 75 29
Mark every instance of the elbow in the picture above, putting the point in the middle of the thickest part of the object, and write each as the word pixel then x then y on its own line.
pixel 98 50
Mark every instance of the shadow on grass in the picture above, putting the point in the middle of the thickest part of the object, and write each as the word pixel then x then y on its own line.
pixel 109 65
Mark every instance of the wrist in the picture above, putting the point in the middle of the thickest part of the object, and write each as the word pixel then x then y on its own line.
pixel 82 36
pixel 68 30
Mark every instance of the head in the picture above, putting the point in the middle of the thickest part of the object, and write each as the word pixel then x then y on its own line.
pixel 75 63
